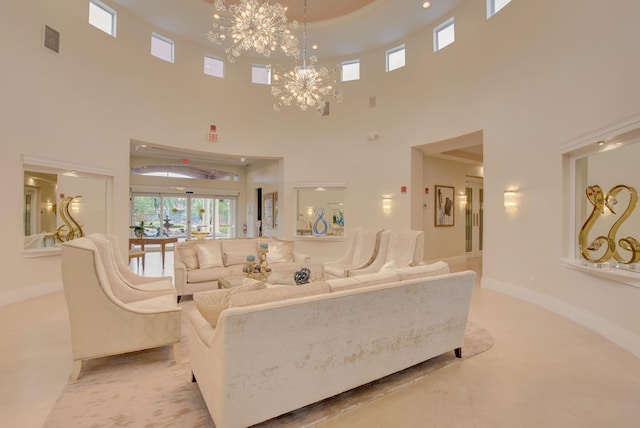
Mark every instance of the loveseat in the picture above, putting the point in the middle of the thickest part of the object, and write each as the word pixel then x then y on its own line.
pixel 272 350
pixel 199 264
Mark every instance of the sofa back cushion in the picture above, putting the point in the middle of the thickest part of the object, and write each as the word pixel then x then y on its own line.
pixel 188 253
pixel 280 251
pixel 209 254
pixel 211 303
pixel 423 271
pixel 235 251
pixel 275 294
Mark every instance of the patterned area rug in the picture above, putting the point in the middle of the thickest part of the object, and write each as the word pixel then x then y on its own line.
pixel 147 389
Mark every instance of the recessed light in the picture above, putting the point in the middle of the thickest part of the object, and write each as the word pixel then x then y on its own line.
pixel 425 4
pixel 601 143
pixel 314 47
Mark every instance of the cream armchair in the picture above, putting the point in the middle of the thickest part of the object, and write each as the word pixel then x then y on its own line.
pixel 114 262
pixel 361 250
pixel 397 249
pixel 106 316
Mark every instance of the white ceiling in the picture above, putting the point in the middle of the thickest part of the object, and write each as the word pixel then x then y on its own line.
pixel 339 27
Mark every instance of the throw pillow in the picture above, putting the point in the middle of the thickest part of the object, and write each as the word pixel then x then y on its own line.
pixel 209 254
pixel 189 255
pixel 280 251
pixel 276 294
pixel 211 303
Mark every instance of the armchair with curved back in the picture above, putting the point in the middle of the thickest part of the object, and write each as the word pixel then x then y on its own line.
pixel 109 249
pixel 109 317
pixel 361 250
pixel 397 249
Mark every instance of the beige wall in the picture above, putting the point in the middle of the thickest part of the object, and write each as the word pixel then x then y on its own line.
pixel 534 76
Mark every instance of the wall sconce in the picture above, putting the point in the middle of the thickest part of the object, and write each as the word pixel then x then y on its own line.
pixel 46 206
pixel 386 204
pixel 511 200
pixel 462 200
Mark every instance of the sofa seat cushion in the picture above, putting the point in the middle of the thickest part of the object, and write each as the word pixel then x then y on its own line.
pixel 211 303
pixel 275 294
pixel 349 283
pixel 423 270
pixel 159 285
pixel 165 302
pixel 209 254
pixel 337 270
pixel 204 275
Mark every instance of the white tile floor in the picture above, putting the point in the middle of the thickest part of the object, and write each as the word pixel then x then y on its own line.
pixel 543 371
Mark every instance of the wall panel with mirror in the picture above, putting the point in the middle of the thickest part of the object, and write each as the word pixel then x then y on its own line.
pixel 601 183
pixel 320 209
pixel 62 202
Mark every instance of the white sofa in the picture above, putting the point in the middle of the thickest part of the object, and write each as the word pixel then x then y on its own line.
pixel 199 264
pixel 268 355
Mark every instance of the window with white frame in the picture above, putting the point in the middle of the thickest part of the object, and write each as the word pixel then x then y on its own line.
pixel 494 6
pixel 395 58
pixel 350 70
pixel 444 34
pixel 260 74
pixel 162 47
pixel 213 66
pixel 102 17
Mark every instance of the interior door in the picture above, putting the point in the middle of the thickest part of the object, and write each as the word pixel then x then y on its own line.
pixel 474 217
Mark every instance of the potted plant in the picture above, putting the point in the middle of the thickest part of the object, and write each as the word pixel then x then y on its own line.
pixel 138 229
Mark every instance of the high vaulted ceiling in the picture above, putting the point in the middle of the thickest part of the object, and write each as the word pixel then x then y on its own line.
pixel 339 27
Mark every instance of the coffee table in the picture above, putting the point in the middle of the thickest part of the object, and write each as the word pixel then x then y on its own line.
pixel 235 281
pixel 274 278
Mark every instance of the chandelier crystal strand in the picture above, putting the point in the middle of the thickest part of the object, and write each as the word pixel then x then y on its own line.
pixel 254 25
pixel 305 85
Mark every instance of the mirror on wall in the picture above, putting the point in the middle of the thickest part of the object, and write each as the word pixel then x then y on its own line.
pixel 603 223
pixel 608 176
pixel 320 211
pixel 61 204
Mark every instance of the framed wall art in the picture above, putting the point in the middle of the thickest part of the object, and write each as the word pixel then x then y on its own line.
pixel 444 206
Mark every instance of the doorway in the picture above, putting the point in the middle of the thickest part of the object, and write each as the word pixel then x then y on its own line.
pixel 474 216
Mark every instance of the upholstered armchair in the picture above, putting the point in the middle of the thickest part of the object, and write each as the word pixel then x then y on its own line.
pixel 112 258
pixel 362 247
pixel 108 317
pixel 397 249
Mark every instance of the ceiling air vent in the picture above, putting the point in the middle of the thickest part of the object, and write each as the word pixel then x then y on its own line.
pixel 51 39
pixel 324 110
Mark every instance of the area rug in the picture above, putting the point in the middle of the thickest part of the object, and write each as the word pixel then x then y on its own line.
pixel 147 389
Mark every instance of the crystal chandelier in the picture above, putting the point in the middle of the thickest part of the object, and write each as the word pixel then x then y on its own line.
pixel 305 85
pixel 256 25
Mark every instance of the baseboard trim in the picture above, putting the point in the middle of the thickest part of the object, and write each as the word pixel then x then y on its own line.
pixel 605 328
pixel 26 293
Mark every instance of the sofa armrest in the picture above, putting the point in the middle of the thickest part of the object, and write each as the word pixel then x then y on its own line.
pixel 179 277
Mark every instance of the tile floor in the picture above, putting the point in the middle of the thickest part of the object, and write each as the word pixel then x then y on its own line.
pixel 543 371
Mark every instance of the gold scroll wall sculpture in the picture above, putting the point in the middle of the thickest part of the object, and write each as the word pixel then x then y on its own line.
pixel 71 229
pixel 600 201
